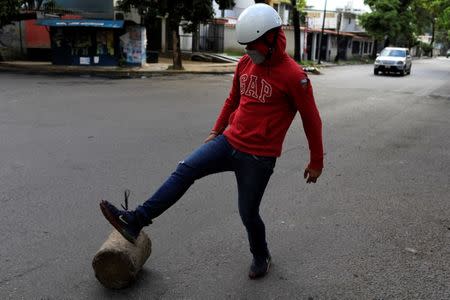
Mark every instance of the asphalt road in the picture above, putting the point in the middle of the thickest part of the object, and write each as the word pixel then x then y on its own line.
pixel 375 226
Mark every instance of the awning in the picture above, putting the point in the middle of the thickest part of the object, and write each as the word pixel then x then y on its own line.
pixel 80 23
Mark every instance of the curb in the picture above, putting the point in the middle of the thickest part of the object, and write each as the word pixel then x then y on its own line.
pixel 6 67
pixel 114 73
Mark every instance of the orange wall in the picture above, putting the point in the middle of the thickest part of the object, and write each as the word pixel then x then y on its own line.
pixel 36 36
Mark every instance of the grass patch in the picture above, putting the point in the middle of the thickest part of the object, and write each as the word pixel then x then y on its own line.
pixel 235 53
pixel 307 63
pixel 355 61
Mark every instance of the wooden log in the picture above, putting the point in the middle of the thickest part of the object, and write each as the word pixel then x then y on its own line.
pixel 117 262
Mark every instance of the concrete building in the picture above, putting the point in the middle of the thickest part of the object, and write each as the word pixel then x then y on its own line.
pixel 342 32
pixel 85 32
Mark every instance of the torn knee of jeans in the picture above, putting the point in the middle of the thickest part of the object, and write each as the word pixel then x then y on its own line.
pixel 182 163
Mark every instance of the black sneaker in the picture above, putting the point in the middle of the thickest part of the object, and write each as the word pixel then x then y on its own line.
pixel 260 266
pixel 124 221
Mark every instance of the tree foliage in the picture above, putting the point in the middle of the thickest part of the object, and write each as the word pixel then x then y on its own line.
pixel 9 10
pixel 225 4
pixel 301 5
pixel 390 21
pixel 399 22
pixel 432 12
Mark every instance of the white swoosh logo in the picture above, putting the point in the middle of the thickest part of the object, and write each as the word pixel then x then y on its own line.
pixel 121 219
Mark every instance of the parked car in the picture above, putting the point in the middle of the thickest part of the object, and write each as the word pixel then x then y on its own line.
pixel 392 59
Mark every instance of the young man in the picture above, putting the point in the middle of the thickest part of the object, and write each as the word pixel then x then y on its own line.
pixel 269 88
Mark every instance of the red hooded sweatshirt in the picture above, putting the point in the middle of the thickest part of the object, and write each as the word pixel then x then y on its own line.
pixel 263 102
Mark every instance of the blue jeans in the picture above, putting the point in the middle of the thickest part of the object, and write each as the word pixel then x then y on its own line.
pixel 252 175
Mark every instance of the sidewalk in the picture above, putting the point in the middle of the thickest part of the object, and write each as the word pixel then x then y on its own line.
pixel 161 68
pixel 154 69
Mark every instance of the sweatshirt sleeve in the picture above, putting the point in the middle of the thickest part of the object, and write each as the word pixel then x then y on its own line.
pixel 302 94
pixel 230 105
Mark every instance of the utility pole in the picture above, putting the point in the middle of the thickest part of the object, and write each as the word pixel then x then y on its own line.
pixel 305 42
pixel 338 27
pixel 321 33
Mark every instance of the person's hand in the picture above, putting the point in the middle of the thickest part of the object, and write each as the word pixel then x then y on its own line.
pixel 210 137
pixel 311 175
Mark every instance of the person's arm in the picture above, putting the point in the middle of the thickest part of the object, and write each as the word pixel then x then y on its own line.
pixel 302 94
pixel 230 105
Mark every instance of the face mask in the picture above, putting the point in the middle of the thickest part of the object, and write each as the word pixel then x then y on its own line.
pixel 256 57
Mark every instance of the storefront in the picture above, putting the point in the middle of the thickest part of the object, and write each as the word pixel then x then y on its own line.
pixel 95 42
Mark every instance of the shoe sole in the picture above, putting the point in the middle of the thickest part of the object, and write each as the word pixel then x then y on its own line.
pixel 261 275
pixel 113 221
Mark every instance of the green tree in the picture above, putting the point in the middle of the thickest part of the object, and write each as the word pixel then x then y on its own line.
pixel 399 22
pixel 432 16
pixel 445 18
pixel 185 13
pixel 429 11
pixel 9 11
pixel 390 21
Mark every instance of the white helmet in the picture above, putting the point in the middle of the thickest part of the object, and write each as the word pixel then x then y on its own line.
pixel 254 21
